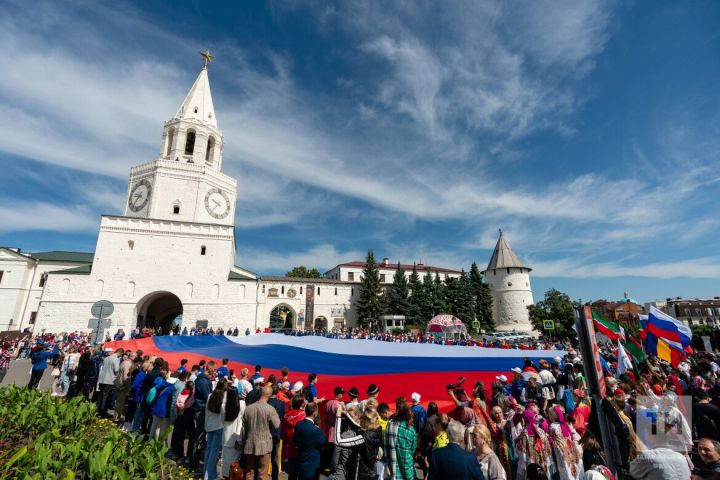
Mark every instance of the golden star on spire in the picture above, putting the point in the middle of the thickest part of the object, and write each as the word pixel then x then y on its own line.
pixel 207 57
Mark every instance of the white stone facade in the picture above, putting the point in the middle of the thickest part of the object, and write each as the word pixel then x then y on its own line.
pixel 22 281
pixel 512 295
pixel 352 271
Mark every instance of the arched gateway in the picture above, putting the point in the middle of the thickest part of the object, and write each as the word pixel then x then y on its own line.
pixel 282 316
pixel 159 309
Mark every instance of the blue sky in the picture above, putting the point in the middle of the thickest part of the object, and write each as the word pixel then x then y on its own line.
pixel 589 131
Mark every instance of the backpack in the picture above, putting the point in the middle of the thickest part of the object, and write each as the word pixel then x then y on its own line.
pixel 569 400
pixel 184 401
pixel 151 396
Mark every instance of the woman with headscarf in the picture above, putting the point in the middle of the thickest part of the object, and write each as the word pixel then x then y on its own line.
pixel 502 440
pixel 533 445
pixel 566 453
pixel 581 413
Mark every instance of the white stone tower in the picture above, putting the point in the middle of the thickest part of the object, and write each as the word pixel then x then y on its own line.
pixel 170 257
pixel 509 282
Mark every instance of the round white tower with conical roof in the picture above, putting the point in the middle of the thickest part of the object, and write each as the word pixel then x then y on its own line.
pixel 509 281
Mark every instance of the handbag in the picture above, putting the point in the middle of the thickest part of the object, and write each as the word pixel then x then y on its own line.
pixel 55 372
pixel 236 471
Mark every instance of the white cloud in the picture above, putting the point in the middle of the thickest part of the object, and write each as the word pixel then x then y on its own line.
pixel 706 267
pixel 322 257
pixel 431 99
pixel 22 216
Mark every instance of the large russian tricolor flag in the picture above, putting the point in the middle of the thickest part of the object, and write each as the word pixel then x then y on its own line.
pixel 397 368
pixel 664 326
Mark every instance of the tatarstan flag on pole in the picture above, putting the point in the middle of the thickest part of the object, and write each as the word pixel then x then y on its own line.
pixel 606 327
pixel 634 348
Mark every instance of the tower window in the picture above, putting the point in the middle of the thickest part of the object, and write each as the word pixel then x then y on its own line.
pixel 170 141
pixel 176 209
pixel 282 289
pixel 300 290
pixel 43 279
pixel 203 250
pixel 318 291
pixel 195 109
pixel 336 291
pixel 190 142
pixel 508 270
pixel 210 152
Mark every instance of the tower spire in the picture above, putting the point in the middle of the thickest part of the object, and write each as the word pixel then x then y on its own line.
pixel 503 255
pixel 207 58
pixel 198 104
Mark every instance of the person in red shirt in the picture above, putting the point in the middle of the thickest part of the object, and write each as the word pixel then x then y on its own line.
pixel 529 366
pixel 289 449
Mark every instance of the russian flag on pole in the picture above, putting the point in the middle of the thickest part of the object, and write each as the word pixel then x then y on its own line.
pixel 664 326
pixel 397 368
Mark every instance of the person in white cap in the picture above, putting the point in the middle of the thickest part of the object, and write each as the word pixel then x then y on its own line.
pixel 297 388
pixel 518 383
pixel 419 413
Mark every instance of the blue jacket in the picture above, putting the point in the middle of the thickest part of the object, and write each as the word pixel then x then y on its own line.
pixel 419 417
pixel 163 397
pixel 454 462
pixel 137 386
pixel 279 407
pixel 203 389
pixel 310 440
pixel 516 388
pixel 40 358
pixel 222 372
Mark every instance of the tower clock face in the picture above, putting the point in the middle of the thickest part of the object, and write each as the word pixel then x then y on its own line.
pixel 217 203
pixel 140 195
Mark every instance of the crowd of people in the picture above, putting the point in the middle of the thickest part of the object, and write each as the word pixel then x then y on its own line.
pixel 537 421
pixel 350 333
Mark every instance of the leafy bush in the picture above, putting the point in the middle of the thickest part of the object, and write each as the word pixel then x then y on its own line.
pixel 46 438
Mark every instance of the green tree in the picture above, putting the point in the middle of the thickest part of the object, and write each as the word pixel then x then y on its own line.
pixel 439 297
pixel 484 306
pixel 398 294
pixel 371 301
pixel 555 306
pixel 481 298
pixel 426 306
pixel 414 310
pixel 304 272
pixel 464 300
